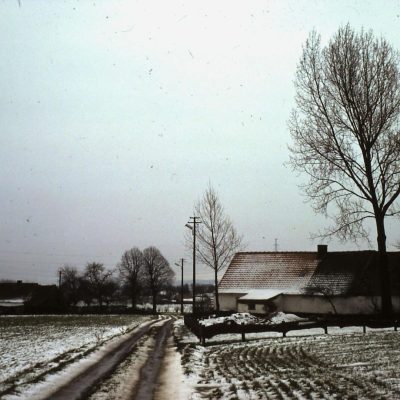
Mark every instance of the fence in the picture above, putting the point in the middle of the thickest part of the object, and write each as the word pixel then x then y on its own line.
pixel 206 332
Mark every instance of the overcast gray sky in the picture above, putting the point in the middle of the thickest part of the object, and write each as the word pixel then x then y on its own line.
pixel 115 115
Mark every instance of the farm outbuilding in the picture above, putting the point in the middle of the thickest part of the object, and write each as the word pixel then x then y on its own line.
pixel 19 297
pixel 318 282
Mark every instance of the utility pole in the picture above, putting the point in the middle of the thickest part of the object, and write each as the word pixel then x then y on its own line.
pixel 194 221
pixel 59 278
pixel 276 245
pixel 181 265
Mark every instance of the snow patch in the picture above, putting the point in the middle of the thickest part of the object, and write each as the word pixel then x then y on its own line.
pixel 247 319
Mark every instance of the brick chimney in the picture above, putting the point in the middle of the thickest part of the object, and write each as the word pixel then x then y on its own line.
pixel 322 250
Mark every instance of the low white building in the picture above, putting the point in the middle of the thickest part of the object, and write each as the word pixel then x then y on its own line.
pixel 318 282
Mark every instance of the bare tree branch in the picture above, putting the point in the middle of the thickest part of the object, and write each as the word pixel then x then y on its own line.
pixel 345 132
pixel 131 271
pixel 218 240
pixel 158 273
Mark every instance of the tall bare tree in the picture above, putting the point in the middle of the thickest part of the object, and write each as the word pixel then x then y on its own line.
pixel 98 280
pixel 158 274
pixel 131 270
pixel 345 132
pixel 217 239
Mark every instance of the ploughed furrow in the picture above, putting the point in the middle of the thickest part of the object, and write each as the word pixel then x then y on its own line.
pixel 308 369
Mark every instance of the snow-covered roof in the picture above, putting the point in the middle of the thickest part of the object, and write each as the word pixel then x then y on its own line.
pixel 336 273
pixel 234 291
pixel 345 272
pixel 269 270
pixel 262 294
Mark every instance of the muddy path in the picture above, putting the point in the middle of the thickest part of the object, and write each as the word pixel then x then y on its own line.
pixel 150 371
pixel 82 385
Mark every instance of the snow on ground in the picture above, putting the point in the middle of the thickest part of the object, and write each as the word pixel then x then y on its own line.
pixel 166 308
pixel 247 318
pixel 11 302
pixel 239 318
pixel 307 364
pixel 124 382
pixel 31 347
pixel 121 384
pixel 346 364
pixel 171 383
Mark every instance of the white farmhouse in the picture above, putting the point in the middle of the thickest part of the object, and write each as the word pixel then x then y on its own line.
pixel 318 282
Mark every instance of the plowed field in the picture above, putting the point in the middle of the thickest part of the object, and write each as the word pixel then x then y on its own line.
pixel 340 366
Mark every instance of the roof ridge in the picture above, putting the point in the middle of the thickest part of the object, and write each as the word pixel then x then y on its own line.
pixel 272 252
pixel 314 252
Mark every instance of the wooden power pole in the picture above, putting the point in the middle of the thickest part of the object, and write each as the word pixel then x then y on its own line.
pixel 194 221
pixel 181 265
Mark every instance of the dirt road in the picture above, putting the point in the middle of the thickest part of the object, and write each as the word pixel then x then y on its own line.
pixel 130 371
pixel 151 369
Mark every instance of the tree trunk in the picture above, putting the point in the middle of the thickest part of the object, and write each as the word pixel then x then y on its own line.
pixel 216 291
pixel 133 299
pixel 383 266
pixel 100 300
pixel 154 295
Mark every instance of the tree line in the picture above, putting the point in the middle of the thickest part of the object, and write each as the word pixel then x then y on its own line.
pixel 139 273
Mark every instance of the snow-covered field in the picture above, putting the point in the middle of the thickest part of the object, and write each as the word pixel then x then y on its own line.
pixel 346 364
pixel 35 351
pixel 32 347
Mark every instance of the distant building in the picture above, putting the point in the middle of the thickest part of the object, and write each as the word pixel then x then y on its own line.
pixel 19 297
pixel 14 294
pixel 318 282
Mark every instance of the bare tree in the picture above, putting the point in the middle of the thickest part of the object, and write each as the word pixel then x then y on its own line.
pixel 345 135
pixel 69 284
pixel 98 281
pixel 158 273
pixel 111 291
pixel 85 290
pixel 131 272
pixel 217 239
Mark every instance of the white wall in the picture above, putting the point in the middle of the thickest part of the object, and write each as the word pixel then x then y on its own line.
pixel 228 301
pixel 292 303
pixel 259 309
pixel 340 305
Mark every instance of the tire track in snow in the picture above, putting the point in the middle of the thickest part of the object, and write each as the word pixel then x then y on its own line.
pixel 80 386
pixel 151 369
